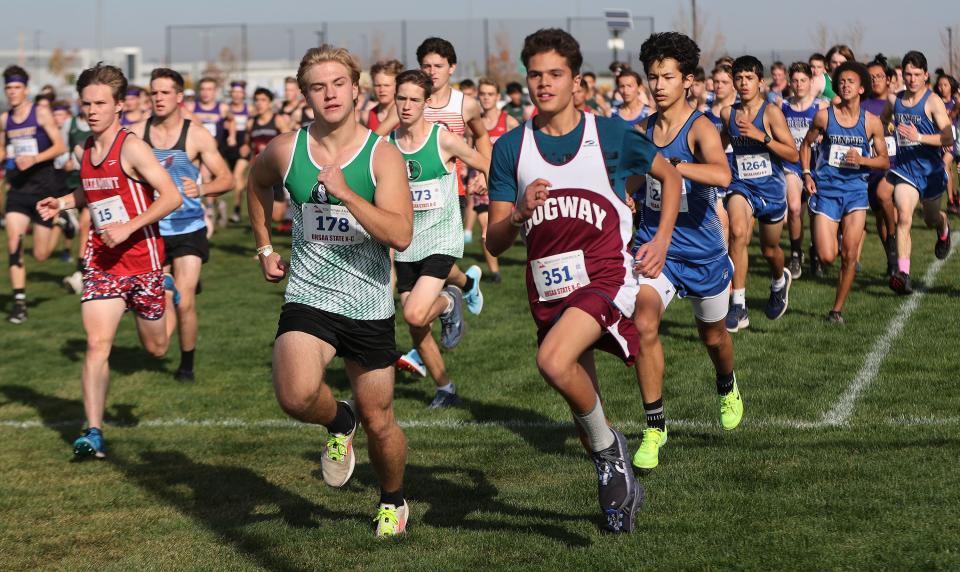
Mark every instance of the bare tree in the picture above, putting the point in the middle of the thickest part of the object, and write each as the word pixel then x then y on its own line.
pixel 820 36
pixel 712 42
pixel 952 59
pixel 500 63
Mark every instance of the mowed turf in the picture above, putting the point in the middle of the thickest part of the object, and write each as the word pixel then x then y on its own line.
pixel 212 476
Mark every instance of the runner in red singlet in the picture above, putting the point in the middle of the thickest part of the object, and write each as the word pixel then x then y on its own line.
pixel 384 109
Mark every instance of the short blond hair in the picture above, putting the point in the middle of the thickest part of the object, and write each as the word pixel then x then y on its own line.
pixel 327 53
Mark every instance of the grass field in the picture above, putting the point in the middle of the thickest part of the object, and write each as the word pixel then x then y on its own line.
pixel 847 458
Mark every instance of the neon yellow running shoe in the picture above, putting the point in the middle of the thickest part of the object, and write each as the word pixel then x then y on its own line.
pixel 338 460
pixel 731 408
pixel 391 520
pixel 647 456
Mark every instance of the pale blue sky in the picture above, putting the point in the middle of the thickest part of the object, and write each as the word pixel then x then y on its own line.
pixel 756 26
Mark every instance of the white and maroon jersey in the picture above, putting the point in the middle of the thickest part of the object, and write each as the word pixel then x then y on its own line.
pixel 115 197
pixel 580 237
pixel 450 115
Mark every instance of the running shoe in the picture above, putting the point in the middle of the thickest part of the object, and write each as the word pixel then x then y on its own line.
pixel 900 283
pixel 392 520
pixel 494 278
pixel 184 375
pixel 18 314
pixel 942 248
pixel 647 456
pixel 891 251
pixel 452 324
pixel 65 256
pixel 737 318
pixel 731 408
pixel 834 317
pixel 74 282
pixel 90 444
pixel 779 299
pixel 338 460
pixel 795 265
pixel 411 362
pixel 169 284
pixel 619 492
pixel 816 267
pixel 474 297
pixel 467 237
pixel 444 399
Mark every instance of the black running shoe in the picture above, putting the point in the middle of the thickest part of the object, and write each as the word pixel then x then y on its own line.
pixel 900 283
pixel 618 490
pixel 834 317
pixel 18 314
pixel 942 248
pixel 184 375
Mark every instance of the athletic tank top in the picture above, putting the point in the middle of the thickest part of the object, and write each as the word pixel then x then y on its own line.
pixel 916 158
pixel 756 169
pixel 24 139
pixel 262 133
pixel 124 120
pixel 698 234
pixel 579 238
pixel 373 120
pixel 210 118
pixel 799 123
pixel 115 197
pixel 451 117
pixel 189 217
pixel 335 265
pixel 241 119
pixel 499 129
pixel 437 226
pixel 644 113
pixel 834 176
pixel 876 107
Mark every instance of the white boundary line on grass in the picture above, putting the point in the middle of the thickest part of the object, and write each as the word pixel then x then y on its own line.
pixel 840 413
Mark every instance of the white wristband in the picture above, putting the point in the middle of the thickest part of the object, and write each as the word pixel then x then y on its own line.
pixel 265 250
pixel 61 204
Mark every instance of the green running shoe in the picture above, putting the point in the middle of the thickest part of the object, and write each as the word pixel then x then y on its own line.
pixel 731 408
pixel 647 456
pixel 391 520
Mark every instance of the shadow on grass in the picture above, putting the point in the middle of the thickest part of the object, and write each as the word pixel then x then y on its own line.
pixel 463 498
pixel 65 415
pixel 6 301
pixel 123 359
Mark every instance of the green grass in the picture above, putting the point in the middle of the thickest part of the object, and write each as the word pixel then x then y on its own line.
pixel 877 493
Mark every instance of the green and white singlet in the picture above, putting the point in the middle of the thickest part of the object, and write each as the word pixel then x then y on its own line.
pixel 335 265
pixel 437 225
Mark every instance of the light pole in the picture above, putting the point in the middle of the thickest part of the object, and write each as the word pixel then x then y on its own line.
pixel 617 22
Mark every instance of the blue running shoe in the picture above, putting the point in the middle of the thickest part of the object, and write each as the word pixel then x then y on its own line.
pixel 737 318
pixel 90 444
pixel 452 324
pixel 474 297
pixel 619 492
pixel 779 299
pixel 169 284
pixel 444 399
pixel 411 362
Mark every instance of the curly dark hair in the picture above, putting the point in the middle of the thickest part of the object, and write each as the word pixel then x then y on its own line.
pixel 747 64
pixel 673 45
pixel 857 68
pixel 553 40
pixel 915 59
pixel 438 46
pixel 880 60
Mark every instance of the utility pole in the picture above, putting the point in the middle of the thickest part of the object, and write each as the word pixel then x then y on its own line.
pixel 950 48
pixel 693 12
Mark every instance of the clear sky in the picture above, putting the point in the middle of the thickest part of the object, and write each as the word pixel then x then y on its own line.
pixel 759 26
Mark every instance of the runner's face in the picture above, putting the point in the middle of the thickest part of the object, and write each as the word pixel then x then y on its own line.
pixel 208 92
pixel 722 85
pixel 878 82
pixel 470 92
pixel 131 103
pixel 261 104
pixel 384 88
pixel 850 88
pixel 438 68
pixel 914 78
pixel 835 61
pixel 551 81
pixel 238 94
pixel 410 103
pixel 627 88
pixel 290 91
pixel 779 76
pixel 488 97
pixel 166 98
pixel 515 97
pixel 800 84
pixel 817 67
pixel 98 105
pixel 667 83
pixel 696 89
pixel 747 84
pixel 16 93
pixel 943 88
pixel 330 92
pixel 61 116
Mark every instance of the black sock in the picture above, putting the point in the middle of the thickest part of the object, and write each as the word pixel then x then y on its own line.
pixel 20 294
pixel 654 413
pixel 343 422
pixel 725 383
pixel 796 245
pixel 395 498
pixel 469 285
pixel 80 262
pixel 186 360
pixel 236 209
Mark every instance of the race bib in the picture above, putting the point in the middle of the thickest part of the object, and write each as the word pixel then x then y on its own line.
pixel 558 275
pixel 330 224
pixel 426 195
pixel 25 146
pixel 654 195
pixel 891 146
pixel 754 166
pixel 211 128
pixel 798 135
pixel 108 211
pixel 838 157
pixel 904 142
pixel 241 122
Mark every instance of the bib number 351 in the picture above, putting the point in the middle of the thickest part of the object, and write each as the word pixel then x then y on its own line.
pixel 557 276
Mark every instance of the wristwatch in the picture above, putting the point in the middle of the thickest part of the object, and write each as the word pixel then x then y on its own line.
pixel 767 139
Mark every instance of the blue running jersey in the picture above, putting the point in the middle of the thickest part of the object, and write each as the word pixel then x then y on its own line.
pixel 834 176
pixel 916 160
pixel 698 234
pixel 189 217
pixel 799 123
pixel 756 170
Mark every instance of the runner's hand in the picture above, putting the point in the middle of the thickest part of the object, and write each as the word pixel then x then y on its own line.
pixel 332 179
pixel 115 234
pixel 909 132
pixel 478 184
pixel 274 269
pixel 748 129
pixel 631 204
pixel 533 196
pixel 853 157
pixel 809 184
pixel 24 162
pixel 650 257
pixel 48 207
pixel 190 187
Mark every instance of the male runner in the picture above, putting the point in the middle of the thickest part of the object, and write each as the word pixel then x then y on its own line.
pixel 292 101
pixel 879 189
pixel 77 134
pixel 132 107
pixel 838 187
pixel 262 128
pixel 697 266
pixel 923 128
pixel 515 105
pixel 798 109
pixel 180 145
pixel 633 110
pixel 552 178
pixel 724 96
pixel 237 152
pixel 384 77
pixel 821 79
pixel 120 178
pixel 430 153
pixel 761 142
pixel 352 204
pixel 29 140
pixel 215 117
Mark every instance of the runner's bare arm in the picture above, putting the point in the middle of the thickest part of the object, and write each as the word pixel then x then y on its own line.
pixel 651 256
pixel 473 116
pixel 712 168
pixel 879 160
pixel 454 146
pixel 57 146
pixel 817 127
pixel 3 137
pixel 782 143
pixel 390 220
pixel 209 155
pixel 938 112
pixel 136 157
pixel 283 123
pixel 511 123
pixel 266 172
pixel 725 132
pixel 389 123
